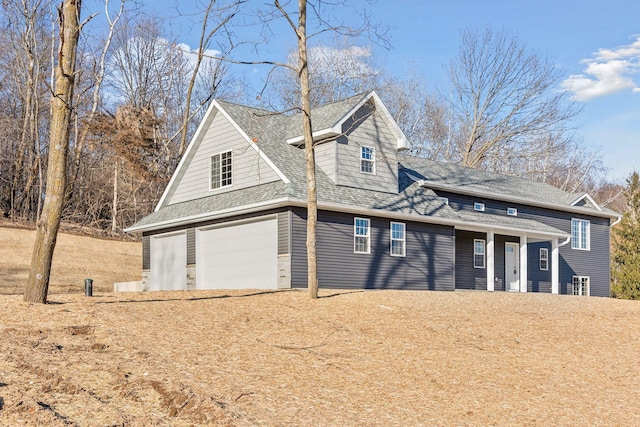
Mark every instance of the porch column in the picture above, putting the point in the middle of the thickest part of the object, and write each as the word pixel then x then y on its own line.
pixel 490 261
pixel 555 266
pixel 523 263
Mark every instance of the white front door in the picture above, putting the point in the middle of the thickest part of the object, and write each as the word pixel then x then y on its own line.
pixel 512 267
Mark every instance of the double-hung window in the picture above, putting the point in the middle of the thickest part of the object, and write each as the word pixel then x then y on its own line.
pixel 361 234
pixel 221 170
pixel 544 259
pixel 398 239
pixel 580 234
pixel 367 160
pixel 478 253
pixel 580 285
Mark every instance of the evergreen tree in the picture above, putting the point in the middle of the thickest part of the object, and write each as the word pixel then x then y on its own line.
pixel 626 245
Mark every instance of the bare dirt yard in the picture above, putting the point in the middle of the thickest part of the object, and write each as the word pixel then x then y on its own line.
pixel 363 358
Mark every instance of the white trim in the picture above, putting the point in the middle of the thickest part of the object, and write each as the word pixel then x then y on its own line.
pixel 221 179
pixel 484 253
pixel 555 266
pixel 402 143
pixel 545 259
pixel 489 249
pixel 581 238
pixel 403 240
pixel 523 263
pixel 589 199
pixel 355 235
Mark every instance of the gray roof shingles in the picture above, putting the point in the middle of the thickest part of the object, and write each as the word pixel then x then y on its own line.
pixel 270 131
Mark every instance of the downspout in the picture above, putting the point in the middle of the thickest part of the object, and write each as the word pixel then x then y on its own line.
pixel 616 221
pixel 565 242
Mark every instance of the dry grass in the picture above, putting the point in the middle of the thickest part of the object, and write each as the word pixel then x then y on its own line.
pixel 374 358
pixel 75 259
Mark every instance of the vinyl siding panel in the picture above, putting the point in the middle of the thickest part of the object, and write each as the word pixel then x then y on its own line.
pixel 467 276
pixel 427 264
pixel 284 233
pixel 248 169
pixel 326 158
pixel 146 252
pixel 191 246
pixel 368 128
pixel 593 263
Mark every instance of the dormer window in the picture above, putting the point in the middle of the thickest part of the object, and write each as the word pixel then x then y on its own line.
pixel 221 172
pixel 367 160
pixel 478 207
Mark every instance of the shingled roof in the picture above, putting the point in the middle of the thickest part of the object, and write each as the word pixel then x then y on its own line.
pixel 418 178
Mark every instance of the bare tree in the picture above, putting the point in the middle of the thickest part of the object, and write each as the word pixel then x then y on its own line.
pixel 504 98
pixel 61 110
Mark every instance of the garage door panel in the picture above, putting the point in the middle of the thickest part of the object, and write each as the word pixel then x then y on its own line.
pixel 168 262
pixel 242 256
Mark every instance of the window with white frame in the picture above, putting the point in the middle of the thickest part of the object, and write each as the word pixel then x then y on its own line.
pixel 221 170
pixel 478 253
pixel 512 211
pixel 544 259
pixel 367 160
pixel 478 207
pixel 398 239
pixel 580 234
pixel 580 285
pixel 361 233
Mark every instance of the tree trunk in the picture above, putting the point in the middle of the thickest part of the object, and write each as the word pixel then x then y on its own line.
pixel 312 202
pixel 47 228
pixel 114 210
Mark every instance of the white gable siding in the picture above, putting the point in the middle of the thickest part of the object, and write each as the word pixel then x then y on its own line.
pixel 372 132
pixel 248 168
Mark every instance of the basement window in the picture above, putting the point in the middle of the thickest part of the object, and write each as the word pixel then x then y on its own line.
pixel 580 285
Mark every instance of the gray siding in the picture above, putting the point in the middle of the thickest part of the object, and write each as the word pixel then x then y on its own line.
pixel 326 158
pixel 593 263
pixel 427 264
pixel 467 276
pixel 284 233
pixel 146 252
pixel 191 246
pixel 247 166
pixel 368 128
pixel 538 280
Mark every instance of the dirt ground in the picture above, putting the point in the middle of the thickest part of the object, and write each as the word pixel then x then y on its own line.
pixel 374 358
pixel 76 258
pixel 256 358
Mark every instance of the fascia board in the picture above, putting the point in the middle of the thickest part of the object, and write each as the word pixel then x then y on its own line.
pixel 515 199
pixel 181 164
pixel 254 207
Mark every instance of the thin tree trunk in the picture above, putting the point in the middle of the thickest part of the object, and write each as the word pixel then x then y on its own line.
pixel 114 211
pixel 312 201
pixel 37 286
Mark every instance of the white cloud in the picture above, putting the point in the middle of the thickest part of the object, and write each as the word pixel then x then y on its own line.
pixel 609 71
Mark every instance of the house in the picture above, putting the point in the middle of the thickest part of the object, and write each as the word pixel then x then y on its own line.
pixel 234 213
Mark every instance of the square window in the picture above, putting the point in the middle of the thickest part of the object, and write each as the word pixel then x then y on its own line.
pixel 580 234
pixel 221 170
pixel 512 211
pixel 367 160
pixel 478 253
pixel 580 285
pixel 478 207
pixel 398 232
pixel 361 243
pixel 544 259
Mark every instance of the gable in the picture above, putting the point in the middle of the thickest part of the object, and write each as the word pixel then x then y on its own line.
pixel 249 168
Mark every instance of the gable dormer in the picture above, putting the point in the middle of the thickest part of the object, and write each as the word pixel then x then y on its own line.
pixel 357 143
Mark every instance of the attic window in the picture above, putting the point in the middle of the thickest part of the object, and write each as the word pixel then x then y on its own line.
pixel 221 170
pixel 512 211
pixel 478 207
pixel 367 160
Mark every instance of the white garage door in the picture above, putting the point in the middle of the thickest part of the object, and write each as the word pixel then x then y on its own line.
pixel 241 256
pixel 168 262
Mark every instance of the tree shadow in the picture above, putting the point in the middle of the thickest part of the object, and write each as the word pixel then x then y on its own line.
pixel 211 297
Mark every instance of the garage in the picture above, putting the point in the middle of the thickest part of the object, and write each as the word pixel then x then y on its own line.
pixel 243 255
pixel 168 262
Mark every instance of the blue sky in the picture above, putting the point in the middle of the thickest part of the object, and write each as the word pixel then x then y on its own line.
pixel 595 43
